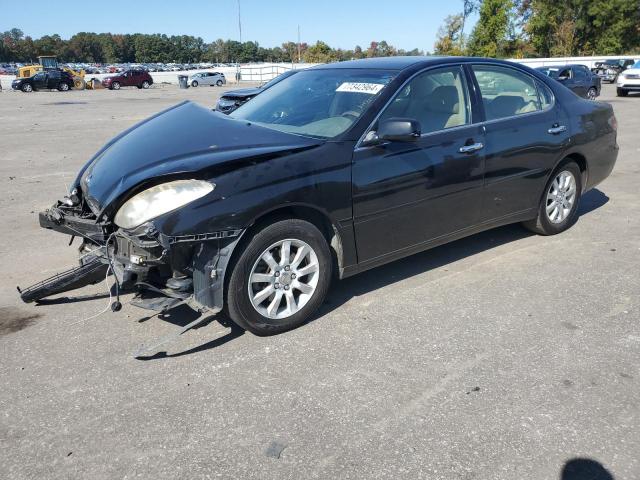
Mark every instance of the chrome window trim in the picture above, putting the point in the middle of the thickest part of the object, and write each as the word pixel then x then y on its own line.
pixel 521 115
pixel 404 84
pixel 472 123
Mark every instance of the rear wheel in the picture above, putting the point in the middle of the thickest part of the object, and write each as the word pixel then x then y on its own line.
pixel 621 92
pixel 558 209
pixel 145 84
pixel 219 83
pixel 280 279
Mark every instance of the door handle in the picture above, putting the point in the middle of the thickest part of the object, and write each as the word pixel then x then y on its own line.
pixel 557 129
pixel 471 148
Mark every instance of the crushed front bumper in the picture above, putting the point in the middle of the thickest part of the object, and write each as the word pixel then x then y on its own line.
pixel 189 268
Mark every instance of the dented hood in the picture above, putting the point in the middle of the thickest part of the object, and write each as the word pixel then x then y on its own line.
pixel 185 140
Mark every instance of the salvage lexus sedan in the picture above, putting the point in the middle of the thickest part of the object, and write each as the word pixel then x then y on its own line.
pixel 332 171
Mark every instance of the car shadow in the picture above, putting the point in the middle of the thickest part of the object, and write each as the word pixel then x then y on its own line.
pixel 382 276
pixel 585 469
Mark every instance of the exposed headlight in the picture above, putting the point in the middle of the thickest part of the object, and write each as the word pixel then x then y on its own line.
pixel 224 103
pixel 159 200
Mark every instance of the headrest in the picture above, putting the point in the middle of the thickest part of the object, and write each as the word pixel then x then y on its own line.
pixel 444 99
pixel 505 106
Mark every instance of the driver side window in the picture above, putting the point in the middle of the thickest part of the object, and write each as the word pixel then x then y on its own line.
pixel 437 99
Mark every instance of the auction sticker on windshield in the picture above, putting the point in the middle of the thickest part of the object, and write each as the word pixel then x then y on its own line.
pixel 370 88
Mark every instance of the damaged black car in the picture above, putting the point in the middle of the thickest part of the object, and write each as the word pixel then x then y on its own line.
pixel 330 172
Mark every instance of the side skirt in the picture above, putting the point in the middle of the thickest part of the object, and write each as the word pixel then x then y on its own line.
pixel 436 242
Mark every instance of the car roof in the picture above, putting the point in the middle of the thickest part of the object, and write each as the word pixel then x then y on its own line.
pixel 402 63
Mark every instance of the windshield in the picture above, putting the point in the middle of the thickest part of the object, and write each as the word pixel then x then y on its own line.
pixel 550 72
pixel 316 103
pixel 277 79
pixel 636 65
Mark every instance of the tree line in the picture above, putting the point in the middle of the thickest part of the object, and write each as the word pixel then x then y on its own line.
pixel 542 28
pixel 87 47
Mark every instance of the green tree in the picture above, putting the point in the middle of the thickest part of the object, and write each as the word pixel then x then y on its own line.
pixel 449 40
pixel 320 53
pixel 492 35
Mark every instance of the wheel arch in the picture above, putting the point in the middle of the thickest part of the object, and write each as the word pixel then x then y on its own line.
pixel 311 214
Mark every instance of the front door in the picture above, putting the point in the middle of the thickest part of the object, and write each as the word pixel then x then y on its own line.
pixel 408 193
pixel 40 80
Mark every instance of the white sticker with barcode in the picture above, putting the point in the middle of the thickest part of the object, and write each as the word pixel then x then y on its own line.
pixel 370 88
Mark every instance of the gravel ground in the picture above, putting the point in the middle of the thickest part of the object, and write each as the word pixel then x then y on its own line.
pixel 501 356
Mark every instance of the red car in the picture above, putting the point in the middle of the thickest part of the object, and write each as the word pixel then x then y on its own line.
pixel 129 78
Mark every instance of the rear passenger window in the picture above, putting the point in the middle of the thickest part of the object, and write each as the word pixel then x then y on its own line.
pixel 436 98
pixel 506 92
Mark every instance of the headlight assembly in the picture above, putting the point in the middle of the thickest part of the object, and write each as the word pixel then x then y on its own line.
pixel 159 200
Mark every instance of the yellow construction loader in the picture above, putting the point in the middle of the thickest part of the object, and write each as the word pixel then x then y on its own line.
pixel 50 62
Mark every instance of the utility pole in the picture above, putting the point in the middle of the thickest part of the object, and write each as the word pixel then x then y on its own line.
pixel 239 22
pixel 240 30
pixel 298 43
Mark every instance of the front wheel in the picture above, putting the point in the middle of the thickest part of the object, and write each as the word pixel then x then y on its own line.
pixel 194 84
pixel 63 87
pixel 592 93
pixel 621 92
pixel 27 88
pixel 115 86
pixel 280 279
pixel 558 209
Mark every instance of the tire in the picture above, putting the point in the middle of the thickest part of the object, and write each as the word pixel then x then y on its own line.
pixel 305 239
pixel 219 83
pixel 194 83
pixel 27 88
pixel 63 87
pixel 545 223
pixel 592 93
pixel 621 92
pixel 145 85
pixel 115 86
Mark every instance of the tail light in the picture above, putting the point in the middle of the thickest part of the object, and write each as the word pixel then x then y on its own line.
pixel 613 122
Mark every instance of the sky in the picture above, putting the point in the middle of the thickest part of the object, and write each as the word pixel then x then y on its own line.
pixel 342 24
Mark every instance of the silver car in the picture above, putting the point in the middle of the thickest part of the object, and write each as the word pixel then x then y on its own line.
pixel 207 78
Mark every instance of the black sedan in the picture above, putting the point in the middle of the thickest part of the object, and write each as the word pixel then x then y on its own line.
pixel 332 171
pixel 578 78
pixel 234 98
pixel 48 79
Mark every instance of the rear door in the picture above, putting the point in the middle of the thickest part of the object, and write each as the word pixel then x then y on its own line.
pixel 408 193
pixel 581 82
pixel 525 136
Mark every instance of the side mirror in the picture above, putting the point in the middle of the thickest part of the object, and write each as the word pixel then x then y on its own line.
pixel 394 130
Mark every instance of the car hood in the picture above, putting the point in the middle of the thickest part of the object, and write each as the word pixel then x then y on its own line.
pixel 633 71
pixel 184 141
pixel 242 93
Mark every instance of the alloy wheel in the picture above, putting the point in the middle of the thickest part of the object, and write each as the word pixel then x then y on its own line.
pixel 592 94
pixel 561 196
pixel 283 279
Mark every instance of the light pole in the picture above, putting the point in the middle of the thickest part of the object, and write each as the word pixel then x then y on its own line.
pixel 240 30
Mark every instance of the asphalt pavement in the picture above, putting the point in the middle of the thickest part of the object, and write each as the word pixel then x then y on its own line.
pixel 505 355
